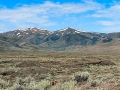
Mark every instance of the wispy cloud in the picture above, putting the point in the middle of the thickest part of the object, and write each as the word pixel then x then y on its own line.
pixel 51 14
pixel 107 23
pixel 109 17
pixel 43 14
pixel 112 12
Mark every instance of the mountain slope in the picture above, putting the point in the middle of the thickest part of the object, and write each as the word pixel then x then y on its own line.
pixel 69 36
pixel 42 39
pixel 6 43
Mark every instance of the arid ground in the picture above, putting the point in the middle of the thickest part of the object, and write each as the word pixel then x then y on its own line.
pixel 59 71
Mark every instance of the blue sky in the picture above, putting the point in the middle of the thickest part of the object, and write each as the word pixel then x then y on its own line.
pixel 87 15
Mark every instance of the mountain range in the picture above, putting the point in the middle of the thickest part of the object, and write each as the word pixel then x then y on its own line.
pixel 67 39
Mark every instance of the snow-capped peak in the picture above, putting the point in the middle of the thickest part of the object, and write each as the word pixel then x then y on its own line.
pixel 19 29
pixel 70 28
pixel 63 29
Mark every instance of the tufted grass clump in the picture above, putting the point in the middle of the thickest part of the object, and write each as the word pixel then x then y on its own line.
pixel 80 77
pixel 29 83
pixel 3 84
pixel 68 85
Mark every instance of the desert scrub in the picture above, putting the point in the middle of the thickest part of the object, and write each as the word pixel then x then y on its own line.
pixel 9 68
pixel 29 83
pixel 3 84
pixel 96 82
pixel 43 76
pixel 99 88
pixel 42 85
pixel 68 85
pixel 80 77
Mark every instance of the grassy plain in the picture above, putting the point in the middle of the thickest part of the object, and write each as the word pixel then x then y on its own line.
pixel 59 71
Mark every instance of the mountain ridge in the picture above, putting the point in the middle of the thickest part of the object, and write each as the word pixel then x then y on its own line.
pixel 41 39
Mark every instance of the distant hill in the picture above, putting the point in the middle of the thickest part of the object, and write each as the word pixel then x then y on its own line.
pixel 39 39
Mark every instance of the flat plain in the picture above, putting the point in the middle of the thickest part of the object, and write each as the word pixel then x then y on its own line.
pixel 59 71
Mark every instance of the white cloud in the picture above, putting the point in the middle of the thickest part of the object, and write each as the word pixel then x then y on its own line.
pixel 109 18
pixel 41 14
pixel 112 12
pixel 107 23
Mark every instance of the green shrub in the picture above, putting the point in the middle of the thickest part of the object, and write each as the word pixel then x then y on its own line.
pixel 81 77
pixel 68 85
pixel 29 83
pixel 3 84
